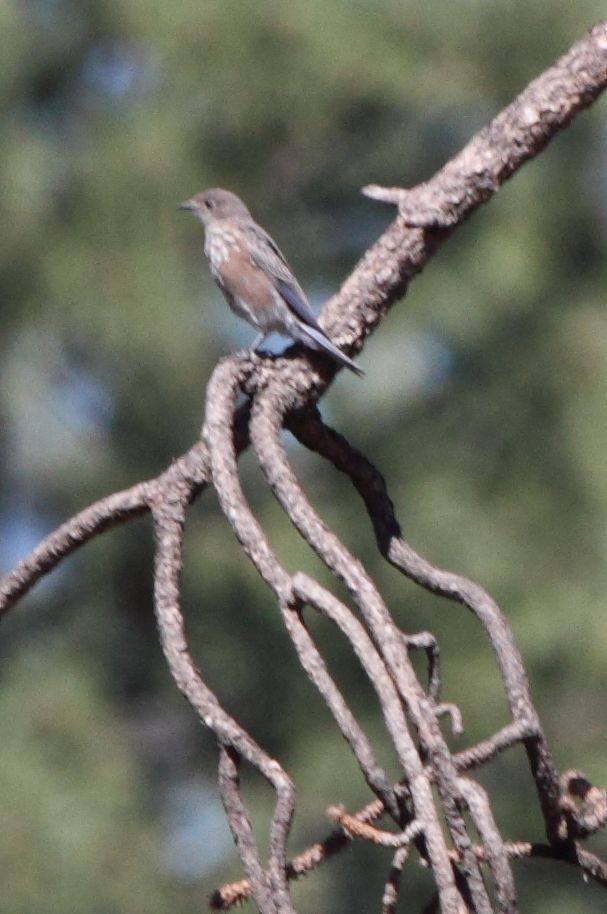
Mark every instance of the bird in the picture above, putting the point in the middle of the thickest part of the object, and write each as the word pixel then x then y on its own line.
pixel 254 276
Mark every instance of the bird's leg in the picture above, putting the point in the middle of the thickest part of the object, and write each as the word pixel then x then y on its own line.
pixel 258 341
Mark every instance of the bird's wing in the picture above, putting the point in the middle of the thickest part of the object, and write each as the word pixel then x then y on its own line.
pixel 267 256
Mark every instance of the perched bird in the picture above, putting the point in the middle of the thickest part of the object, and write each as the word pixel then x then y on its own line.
pixel 256 280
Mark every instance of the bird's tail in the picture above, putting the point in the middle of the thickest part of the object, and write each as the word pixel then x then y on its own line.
pixel 317 340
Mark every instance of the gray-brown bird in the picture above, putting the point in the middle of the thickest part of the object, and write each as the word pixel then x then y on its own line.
pixel 254 276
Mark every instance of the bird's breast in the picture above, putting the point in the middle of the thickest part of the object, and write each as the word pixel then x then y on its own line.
pixel 247 289
pixel 219 245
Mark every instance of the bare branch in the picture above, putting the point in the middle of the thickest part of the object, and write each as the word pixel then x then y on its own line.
pixel 266 422
pixel 310 658
pixel 432 802
pixel 479 807
pixel 524 128
pixel 371 486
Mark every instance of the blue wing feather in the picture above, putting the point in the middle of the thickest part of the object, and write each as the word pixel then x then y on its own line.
pixel 299 306
pixel 268 257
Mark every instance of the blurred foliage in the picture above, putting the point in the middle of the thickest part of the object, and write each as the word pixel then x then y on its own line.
pixel 484 404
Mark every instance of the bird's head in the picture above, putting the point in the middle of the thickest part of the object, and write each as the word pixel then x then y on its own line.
pixel 216 204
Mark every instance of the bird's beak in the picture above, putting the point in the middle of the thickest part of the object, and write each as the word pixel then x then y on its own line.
pixel 187 204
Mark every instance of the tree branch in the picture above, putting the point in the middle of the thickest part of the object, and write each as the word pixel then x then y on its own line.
pixel 432 797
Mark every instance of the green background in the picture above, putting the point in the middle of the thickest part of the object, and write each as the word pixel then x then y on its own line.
pixel 484 404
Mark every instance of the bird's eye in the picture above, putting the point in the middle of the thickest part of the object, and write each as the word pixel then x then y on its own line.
pixel 209 204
